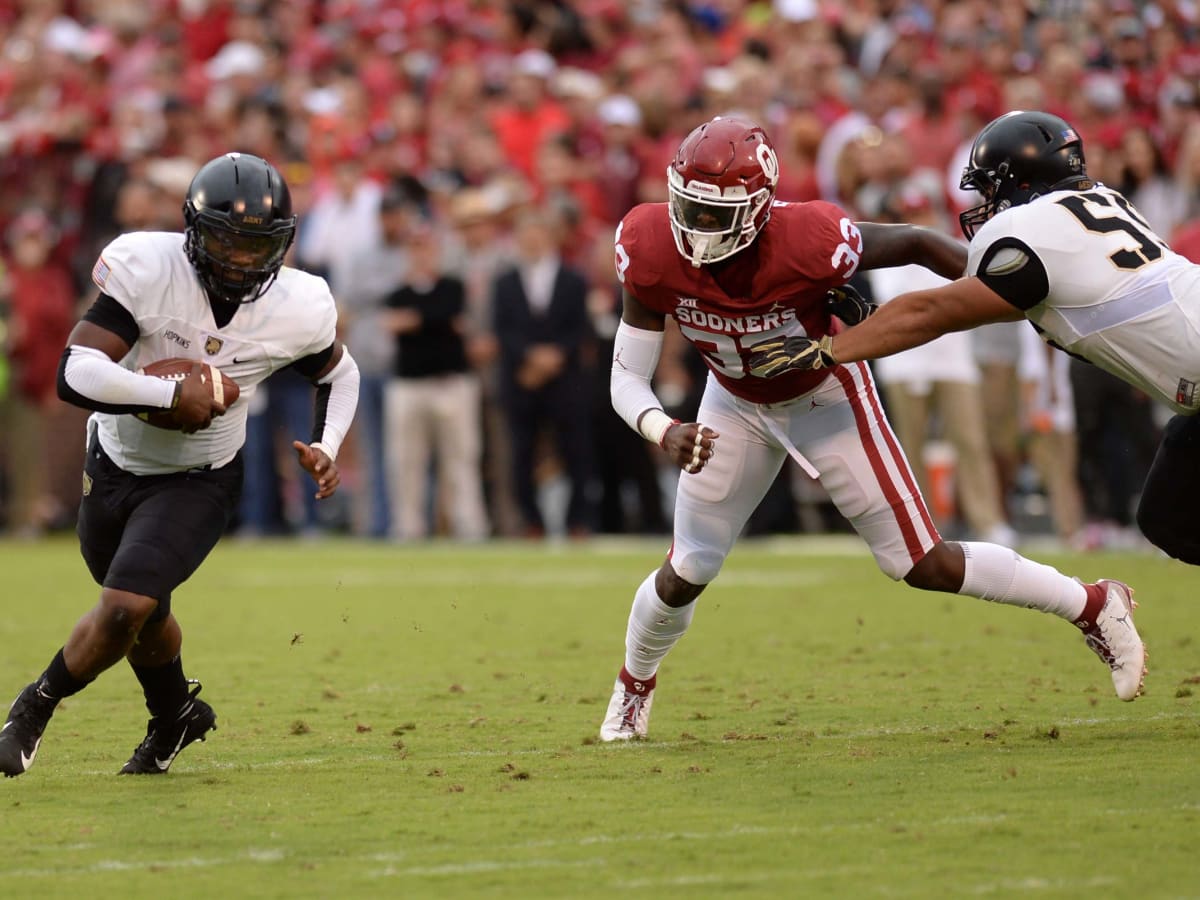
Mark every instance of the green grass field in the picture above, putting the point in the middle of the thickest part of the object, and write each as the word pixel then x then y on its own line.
pixel 421 722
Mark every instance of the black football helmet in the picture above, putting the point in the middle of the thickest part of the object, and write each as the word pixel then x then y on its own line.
pixel 1017 157
pixel 240 224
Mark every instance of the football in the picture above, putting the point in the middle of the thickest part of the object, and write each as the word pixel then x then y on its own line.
pixel 224 389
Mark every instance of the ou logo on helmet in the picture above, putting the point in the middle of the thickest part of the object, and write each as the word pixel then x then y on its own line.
pixel 768 161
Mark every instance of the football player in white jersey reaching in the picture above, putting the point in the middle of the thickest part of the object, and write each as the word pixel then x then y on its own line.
pixel 1076 259
pixel 745 278
pixel 156 500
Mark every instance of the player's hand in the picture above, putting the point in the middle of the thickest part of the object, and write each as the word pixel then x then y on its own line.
pixel 690 446
pixel 849 305
pixel 778 355
pixel 324 471
pixel 195 406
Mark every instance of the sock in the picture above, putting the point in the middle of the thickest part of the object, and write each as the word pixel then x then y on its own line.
pixel 57 681
pixel 1002 575
pixel 654 628
pixel 165 687
pixel 1096 595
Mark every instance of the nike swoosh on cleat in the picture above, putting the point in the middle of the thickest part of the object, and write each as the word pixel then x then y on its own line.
pixel 27 761
pixel 164 764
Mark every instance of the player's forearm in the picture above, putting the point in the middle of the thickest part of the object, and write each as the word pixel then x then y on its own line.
pixel 88 378
pixel 635 357
pixel 336 401
pixel 900 324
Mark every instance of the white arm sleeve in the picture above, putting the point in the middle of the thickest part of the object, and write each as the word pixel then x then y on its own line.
pixel 635 357
pixel 105 385
pixel 337 399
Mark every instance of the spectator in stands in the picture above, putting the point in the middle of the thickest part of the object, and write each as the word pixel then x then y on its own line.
pixel 483 249
pixel 1048 413
pixel 36 293
pixel 377 271
pixel 432 402
pixel 541 321
pixel 531 115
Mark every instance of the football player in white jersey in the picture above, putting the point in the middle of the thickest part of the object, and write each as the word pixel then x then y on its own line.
pixel 1075 258
pixel 156 500
pixel 744 278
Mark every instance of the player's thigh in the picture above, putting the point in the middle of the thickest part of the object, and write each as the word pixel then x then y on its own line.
pixel 867 476
pixel 1171 495
pixel 102 511
pixel 713 505
pixel 172 527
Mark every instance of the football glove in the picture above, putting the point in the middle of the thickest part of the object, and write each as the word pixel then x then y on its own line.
pixel 774 357
pixel 849 305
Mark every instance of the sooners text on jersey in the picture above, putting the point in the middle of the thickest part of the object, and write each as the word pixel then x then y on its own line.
pixel 773 288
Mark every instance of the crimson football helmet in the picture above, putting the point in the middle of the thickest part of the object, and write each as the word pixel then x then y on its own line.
pixel 1017 157
pixel 721 185
pixel 238 213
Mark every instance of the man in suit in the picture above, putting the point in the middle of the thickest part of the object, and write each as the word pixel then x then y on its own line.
pixel 541 322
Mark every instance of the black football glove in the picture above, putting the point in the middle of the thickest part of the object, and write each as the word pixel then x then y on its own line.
pixel 849 305
pixel 774 357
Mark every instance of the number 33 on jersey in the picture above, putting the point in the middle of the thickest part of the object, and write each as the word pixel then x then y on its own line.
pixel 775 287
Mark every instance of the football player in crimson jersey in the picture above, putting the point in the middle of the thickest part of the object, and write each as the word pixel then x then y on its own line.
pixel 742 274
pixel 1075 258
pixel 155 501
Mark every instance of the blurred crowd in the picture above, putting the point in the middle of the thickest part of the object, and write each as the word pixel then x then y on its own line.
pixel 448 159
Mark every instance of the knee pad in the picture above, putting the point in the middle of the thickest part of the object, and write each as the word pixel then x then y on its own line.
pixel 697 567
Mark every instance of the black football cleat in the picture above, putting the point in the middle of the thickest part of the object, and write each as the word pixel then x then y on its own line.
pixel 167 735
pixel 22 732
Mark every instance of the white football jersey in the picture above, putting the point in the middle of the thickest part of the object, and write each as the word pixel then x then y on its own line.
pixel 1098 282
pixel 149 274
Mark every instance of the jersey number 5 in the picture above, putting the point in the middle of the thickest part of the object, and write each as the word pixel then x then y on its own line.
pixel 1125 218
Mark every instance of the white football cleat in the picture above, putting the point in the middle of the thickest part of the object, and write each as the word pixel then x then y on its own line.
pixel 1114 638
pixel 628 713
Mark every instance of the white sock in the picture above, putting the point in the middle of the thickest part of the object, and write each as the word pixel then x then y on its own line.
pixel 1003 575
pixel 654 628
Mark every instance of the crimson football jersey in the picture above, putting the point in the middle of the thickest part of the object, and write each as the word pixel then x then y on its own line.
pixel 774 288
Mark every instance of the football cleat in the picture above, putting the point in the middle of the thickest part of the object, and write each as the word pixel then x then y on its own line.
pixel 628 714
pixel 167 735
pixel 1114 638
pixel 22 732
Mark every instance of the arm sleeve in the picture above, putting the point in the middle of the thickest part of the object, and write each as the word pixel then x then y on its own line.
pixel 88 378
pixel 635 357
pixel 336 401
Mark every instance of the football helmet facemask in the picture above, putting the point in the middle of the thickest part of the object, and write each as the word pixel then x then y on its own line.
pixel 240 225
pixel 1017 157
pixel 721 184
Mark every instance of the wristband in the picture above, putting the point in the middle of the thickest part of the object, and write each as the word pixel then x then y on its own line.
pixel 324 448
pixel 654 424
